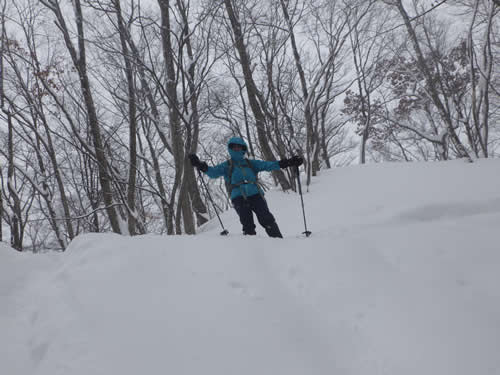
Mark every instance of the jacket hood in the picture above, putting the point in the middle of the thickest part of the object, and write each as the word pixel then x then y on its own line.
pixel 237 155
pixel 237 140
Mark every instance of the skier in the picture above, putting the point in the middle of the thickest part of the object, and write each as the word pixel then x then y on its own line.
pixel 243 185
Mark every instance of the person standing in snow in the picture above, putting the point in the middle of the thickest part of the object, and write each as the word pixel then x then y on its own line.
pixel 246 195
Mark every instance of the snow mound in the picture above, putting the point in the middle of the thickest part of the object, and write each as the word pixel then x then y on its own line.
pixel 400 276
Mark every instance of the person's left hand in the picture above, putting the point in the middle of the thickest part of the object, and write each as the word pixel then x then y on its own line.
pixel 296 161
pixel 292 162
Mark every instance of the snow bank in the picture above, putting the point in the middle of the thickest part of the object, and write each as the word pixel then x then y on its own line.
pixel 400 276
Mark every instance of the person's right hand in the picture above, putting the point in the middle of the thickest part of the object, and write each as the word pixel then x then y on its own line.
pixel 195 162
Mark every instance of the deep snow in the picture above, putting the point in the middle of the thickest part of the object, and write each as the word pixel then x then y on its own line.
pixel 400 276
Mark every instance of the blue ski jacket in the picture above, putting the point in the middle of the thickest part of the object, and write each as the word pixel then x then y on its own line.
pixel 243 177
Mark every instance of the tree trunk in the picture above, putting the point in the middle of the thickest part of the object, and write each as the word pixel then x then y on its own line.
pixel 433 91
pixel 60 183
pixel 2 103
pixel 165 205
pixel 171 88
pixel 16 236
pixel 480 101
pixel 159 182
pixel 45 192
pixel 80 63
pixel 324 146
pixel 132 114
pixel 305 96
pixel 185 204
pixel 1 215
pixel 252 92
pixel 197 204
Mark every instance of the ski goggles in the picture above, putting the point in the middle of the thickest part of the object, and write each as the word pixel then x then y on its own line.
pixel 237 147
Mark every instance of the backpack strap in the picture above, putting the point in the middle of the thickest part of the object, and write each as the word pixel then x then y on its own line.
pixel 230 186
pixel 253 170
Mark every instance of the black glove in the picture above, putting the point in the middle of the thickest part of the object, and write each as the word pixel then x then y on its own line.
pixel 292 162
pixel 195 162
pixel 284 163
pixel 296 161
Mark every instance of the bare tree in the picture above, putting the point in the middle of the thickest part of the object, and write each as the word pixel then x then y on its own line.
pixel 78 57
pixel 252 90
pixel 2 102
pixel 334 21
pixel 433 90
pixel 34 127
pixel 15 219
pixel 369 49
pixel 481 71
pixel 194 61
pixel 132 117
pixel 175 121
pixel 152 110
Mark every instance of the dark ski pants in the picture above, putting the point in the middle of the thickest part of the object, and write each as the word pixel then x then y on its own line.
pixel 256 203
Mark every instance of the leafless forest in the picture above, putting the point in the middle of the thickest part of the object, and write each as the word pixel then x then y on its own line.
pixel 102 100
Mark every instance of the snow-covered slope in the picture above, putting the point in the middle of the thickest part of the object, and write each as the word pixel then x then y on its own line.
pixel 400 276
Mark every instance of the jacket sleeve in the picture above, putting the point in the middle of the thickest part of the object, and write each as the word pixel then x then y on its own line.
pixel 217 171
pixel 260 165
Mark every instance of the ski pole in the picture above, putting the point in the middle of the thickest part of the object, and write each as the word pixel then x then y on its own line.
pixel 224 231
pixel 306 232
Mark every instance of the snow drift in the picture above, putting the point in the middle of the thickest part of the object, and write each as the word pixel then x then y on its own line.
pixel 400 276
